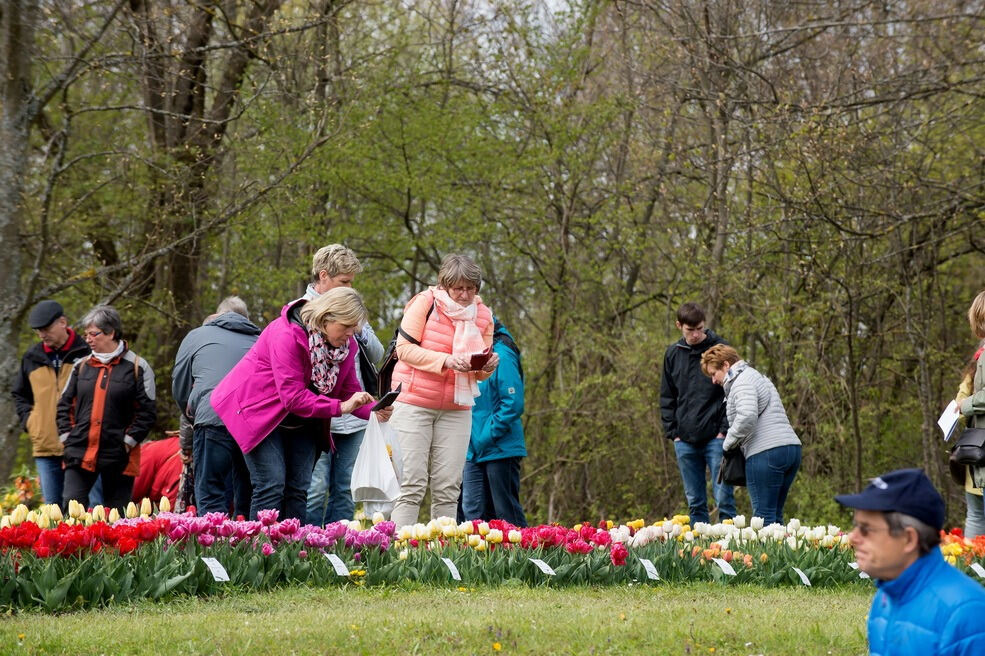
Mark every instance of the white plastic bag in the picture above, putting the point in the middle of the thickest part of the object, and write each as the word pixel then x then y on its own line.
pixel 374 481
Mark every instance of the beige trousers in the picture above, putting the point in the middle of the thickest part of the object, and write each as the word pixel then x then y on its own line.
pixel 433 444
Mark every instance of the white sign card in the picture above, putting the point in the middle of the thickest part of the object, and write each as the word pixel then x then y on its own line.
pixel 978 569
pixel 861 575
pixel 452 568
pixel 542 566
pixel 651 569
pixel 219 572
pixel 337 563
pixel 726 567
pixel 803 577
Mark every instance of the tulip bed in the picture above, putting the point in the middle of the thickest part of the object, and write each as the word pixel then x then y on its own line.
pixel 92 559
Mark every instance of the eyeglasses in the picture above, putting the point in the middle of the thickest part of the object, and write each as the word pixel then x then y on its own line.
pixel 471 289
pixel 94 333
pixel 864 529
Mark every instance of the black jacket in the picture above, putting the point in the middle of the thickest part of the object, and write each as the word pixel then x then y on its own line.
pixel 691 406
pixel 104 408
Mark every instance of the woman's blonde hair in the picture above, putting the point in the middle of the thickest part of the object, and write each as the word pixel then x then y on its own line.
pixel 457 268
pixel 334 259
pixel 339 305
pixel 715 358
pixel 976 315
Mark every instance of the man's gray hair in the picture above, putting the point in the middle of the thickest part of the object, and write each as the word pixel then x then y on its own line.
pixel 927 536
pixel 233 304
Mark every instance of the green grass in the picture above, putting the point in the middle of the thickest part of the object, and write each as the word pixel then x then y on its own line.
pixel 694 619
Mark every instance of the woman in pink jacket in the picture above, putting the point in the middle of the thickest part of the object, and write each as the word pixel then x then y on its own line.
pixel 446 325
pixel 276 399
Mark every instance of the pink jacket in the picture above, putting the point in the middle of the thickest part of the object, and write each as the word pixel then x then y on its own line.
pixel 272 380
pixel 421 369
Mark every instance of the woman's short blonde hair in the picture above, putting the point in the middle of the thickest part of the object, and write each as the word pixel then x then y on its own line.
pixel 334 259
pixel 339 305
pixel 976 315
pixel 459 268
pixel 715 358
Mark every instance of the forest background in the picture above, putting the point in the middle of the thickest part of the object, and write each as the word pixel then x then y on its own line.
pixel 811 171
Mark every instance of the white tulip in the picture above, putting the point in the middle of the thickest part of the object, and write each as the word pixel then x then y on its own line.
pixel 756 523
pixel 739 521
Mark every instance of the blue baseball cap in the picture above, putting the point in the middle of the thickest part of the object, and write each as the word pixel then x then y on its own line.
pixel 906 491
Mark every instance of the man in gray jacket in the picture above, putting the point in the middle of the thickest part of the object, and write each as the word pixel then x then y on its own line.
pixel 204 358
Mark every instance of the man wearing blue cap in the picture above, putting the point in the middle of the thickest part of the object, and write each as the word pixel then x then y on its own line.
pixel 923 605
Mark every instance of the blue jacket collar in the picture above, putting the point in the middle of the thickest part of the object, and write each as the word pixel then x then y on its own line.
pixel 914 578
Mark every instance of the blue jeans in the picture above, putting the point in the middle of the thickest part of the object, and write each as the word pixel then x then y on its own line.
pixel 221 478
pixel 695 461
pixel 52 478
pixel 974 521
pixel 280 468
pixel 491 490
pixel 332 478
pixel 53 481
pixel 769 475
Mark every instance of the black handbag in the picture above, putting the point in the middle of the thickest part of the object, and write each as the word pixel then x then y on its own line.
pixel 970 447
pixel 733 468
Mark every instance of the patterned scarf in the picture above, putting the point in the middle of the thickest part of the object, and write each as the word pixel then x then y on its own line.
pixel 326 361
pixel 466 342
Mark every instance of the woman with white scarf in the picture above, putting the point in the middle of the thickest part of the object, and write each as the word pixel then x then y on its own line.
pixel 444 348
pixel 276 401
pixel 106 409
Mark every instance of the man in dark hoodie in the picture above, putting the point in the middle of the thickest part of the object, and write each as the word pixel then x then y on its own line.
pixel 45 368
pixel 204 358
pixel 693 412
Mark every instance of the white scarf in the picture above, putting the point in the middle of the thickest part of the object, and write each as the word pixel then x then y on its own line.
pixel 466 342
pixel 106 357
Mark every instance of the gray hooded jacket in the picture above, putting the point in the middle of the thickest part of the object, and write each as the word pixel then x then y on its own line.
pixel 204 358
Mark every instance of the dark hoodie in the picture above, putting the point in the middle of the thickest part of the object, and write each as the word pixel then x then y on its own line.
pixel 691 406
pixel 204 358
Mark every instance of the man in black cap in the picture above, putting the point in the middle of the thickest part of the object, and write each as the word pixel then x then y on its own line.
pixel 923 605
pixel 44 370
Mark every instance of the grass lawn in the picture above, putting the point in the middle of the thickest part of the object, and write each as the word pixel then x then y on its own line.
pixel 694 619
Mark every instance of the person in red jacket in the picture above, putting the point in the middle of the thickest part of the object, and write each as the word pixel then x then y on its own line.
pixel 160 471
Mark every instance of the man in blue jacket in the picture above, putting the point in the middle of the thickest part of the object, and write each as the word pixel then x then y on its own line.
pixel 923 605
pixel 491 480
pixel 204 358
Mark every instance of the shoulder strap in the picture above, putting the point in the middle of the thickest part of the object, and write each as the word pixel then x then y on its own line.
pixel 403 333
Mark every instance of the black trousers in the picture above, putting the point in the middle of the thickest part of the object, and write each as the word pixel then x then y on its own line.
pixel 117 488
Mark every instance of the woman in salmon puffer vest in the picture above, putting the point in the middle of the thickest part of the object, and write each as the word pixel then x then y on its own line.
pixel 433 414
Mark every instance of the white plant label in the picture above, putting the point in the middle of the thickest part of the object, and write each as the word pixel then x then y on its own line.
pixel 861 575
pixel 452 568
pixel 726 567
pixel 803 577
pixel 542 566
pixel 651 569
pixel 219 572
pixel 337 563
pixel 978 569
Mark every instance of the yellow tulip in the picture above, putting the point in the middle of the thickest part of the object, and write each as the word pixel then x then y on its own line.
pixel 75 509
pixel 4 522
pixel 19 515
pixel 449 531
pixel 474 540
pixel 515 536
pixel 466 528
pixel 402 555
pixel 164 505
pixel 99 514
pixel 483 528
pixel 114 515
pixel 146 508
pixel 55 513
pixel 495 536
pixel 131 511
pixel 32 517
pixel 481 546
